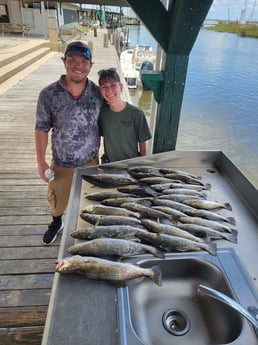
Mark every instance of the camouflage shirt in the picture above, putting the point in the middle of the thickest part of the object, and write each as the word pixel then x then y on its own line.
pixel 74 122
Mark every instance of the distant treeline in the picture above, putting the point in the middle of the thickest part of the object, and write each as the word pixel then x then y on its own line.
pixel 244 30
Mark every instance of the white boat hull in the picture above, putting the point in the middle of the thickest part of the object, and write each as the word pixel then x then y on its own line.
pixel 131 61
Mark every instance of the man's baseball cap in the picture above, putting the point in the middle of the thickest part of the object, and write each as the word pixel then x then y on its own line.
pixel 78 47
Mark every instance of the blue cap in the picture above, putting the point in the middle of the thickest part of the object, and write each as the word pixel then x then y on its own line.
pixel 78 47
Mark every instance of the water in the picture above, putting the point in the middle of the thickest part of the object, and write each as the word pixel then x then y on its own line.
pixel 219 110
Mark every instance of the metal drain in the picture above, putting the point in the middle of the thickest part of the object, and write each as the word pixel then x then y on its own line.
pixel 176 322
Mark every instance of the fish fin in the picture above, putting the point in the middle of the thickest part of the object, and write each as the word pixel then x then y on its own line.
pixel 120 283
pixel 231 220
pixel 132 239
pixel 228 206
pixel 211 248
pixel 73 234
pixel 234 232
pixel 207 186
pixel 156 277
pixel 134 280
pixel 231 237
pixel 159 254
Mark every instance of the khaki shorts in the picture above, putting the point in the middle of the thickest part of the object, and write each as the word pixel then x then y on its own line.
pixel 59 188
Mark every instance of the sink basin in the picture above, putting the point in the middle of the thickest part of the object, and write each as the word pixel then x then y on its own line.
pixel 175 313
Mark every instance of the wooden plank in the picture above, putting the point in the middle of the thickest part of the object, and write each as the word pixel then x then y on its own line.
pixel 29 252
pixel 17 202
pixel 21 336
pixel 12 242
pixel 23 195
pixel 23 210
pixel 18 230
pixel 22 317
pixel 21 298
pixel 22 182
pixel 24 188
pixel 28 281
pixel 28 266
pixel 25 220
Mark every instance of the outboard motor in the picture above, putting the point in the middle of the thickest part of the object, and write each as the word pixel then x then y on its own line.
pixel 146 66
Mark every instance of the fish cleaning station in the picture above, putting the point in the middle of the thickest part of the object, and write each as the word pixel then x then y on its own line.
pixel 156 250
pixel 162 287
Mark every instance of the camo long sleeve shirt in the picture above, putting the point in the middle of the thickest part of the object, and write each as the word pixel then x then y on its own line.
pixel 74 122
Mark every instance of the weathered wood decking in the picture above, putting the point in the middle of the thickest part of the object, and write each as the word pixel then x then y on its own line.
pixel 26 266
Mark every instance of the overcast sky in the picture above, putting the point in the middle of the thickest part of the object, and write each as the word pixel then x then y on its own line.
pixel 223 9
pixel 231 9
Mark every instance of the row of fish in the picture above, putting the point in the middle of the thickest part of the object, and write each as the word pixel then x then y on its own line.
pixel 151 211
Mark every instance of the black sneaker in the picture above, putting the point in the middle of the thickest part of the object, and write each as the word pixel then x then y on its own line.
pixel 51 234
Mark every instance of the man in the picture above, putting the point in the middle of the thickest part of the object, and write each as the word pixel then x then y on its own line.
pixel 123 126
pixel 70 108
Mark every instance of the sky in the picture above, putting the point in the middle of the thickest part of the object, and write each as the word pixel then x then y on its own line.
pixel 232 9
pixel 225 9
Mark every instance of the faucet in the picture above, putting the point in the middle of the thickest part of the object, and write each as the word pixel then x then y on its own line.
pixel 251 314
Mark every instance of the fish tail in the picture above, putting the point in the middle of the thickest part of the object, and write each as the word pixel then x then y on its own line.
pixel 231 220
pixel 158 253
pixel 211 248
pixel 155 275
pixel 207 186
pixel 231 237
pixel 228 206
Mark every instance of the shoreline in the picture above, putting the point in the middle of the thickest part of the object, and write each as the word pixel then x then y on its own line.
pixel 243 30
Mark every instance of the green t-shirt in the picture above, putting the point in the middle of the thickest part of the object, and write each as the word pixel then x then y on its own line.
pixel 122 131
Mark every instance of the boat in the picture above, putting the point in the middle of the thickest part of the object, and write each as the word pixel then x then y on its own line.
pixel 143 53
pixel 130 73
pixel 146 66
pixel 132 60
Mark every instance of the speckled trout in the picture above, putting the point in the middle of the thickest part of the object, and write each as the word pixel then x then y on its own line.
pixel 106 247
pixel 101 269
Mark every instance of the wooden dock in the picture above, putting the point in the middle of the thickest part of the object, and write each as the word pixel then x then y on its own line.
pixel 27 267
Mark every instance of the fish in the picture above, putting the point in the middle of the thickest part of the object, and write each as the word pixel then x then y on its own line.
pixel 184 178
pixel 208 204
pixel 145 211
pixel 97 219
pixel 175 171
pixel 164 186
pixel 179 197
pixel 205 222
pixel 106 180
pixel 142 172
pixel 169 229
pixel 169 210
pixel 145 169
pixel 184 191
pixel 117 273
pixel 154 180
pixel 103 195
pixel 113 247
pixel 171 203
pixel 114 231
pixel 175 243
pixel 204 231
pixel 109 210
pixel 116 202
pixel 210 215
pixel 143 191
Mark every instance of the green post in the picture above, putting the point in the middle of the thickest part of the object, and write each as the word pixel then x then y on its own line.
pixel 176 30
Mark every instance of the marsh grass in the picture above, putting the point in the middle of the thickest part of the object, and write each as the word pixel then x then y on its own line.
pixel 243 30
